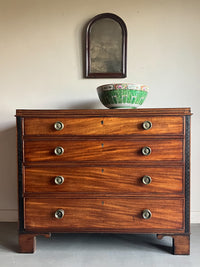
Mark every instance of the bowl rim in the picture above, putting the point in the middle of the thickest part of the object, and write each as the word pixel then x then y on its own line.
pixel 113 86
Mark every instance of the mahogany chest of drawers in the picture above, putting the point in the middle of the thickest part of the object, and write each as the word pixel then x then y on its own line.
pixel 104 171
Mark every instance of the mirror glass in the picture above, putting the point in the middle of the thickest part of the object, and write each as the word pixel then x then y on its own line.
pixel 106 46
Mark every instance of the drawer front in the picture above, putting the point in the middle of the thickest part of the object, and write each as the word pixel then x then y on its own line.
pixel 122 180
pixel 104 214
pixel 103 126
pixel 103 150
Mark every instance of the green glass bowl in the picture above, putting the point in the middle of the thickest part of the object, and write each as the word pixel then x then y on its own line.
pixel 122 95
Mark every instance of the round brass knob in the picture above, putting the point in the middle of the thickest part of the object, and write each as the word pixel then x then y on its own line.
pixel 59 150
pixel 59 180
pixel 146 179
pixel 58 125
pixel 59 214
pixel 147 125
pixel 146 151
pixel 146 214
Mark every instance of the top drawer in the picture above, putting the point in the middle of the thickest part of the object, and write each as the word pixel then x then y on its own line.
pixel 104 126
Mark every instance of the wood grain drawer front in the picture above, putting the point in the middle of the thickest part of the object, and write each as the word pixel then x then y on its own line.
pixel 105 150
pixel 122 180
pixel 111 214
pixel 104 126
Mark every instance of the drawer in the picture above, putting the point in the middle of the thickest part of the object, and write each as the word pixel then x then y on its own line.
pixel 104 214
pixel 103 126
pixel 103 150
pixel 124 180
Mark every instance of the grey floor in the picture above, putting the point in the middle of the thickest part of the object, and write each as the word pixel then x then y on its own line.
pixel 96 250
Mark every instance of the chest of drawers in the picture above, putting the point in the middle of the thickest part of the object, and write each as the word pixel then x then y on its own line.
pixel 104 171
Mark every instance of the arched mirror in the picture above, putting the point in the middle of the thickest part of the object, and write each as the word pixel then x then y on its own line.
pixel 106 45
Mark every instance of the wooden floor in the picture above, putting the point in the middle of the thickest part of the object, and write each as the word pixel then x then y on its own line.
pixel 96 250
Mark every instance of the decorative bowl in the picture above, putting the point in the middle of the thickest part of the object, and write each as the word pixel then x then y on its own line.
pixel 122 95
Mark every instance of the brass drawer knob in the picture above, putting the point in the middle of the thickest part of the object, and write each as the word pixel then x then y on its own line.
pixel 146 179
pixel 58 125
pixel 59 214
pixel 59 150
pixel 146 151
pixel 59 180
pixel 147 125
pixel 146 214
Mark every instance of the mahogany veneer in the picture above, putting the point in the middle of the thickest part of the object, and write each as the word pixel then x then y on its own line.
pixel 104 214
pixel 104 171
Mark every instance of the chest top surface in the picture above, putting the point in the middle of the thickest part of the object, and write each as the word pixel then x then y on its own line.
pixel 103 112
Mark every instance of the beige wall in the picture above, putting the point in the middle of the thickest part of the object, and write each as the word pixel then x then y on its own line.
pixel 41 67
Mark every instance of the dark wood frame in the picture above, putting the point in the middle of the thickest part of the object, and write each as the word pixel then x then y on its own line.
pixel 88 73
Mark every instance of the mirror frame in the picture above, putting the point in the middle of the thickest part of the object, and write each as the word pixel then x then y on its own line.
pixel 88 73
